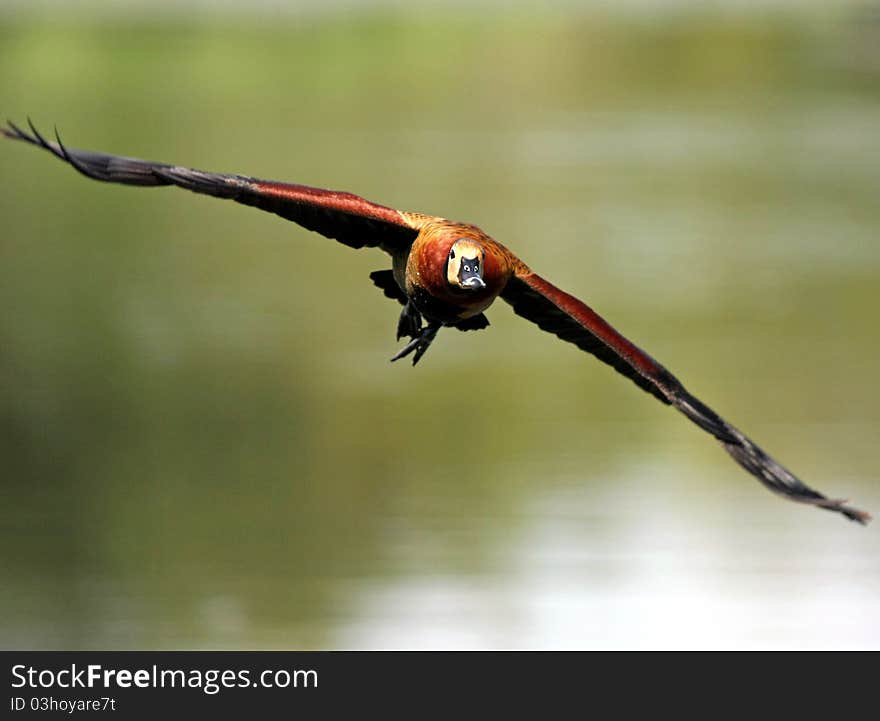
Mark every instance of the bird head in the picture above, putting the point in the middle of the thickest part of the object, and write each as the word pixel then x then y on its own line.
pixel 464 266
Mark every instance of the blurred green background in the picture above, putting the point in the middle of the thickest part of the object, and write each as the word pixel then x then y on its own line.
pixel 204 444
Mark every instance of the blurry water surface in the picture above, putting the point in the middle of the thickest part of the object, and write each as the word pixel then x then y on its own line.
pixel 204 445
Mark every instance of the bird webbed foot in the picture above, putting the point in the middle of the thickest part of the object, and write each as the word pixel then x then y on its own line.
pixel 419 344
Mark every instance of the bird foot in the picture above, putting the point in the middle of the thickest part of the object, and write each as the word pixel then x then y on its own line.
pixel 419 344
pixel 410 323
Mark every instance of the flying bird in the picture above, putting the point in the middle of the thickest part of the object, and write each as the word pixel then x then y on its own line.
pixel 447 274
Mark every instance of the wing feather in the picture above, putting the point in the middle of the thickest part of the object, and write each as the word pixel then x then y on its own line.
pixel 345 217
pixel 570 319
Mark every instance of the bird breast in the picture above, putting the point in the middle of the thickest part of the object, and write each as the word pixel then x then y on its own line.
pixel 426 279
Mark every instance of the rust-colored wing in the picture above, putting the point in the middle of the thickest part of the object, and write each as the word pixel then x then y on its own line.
pixel 555 311
pixel 345 217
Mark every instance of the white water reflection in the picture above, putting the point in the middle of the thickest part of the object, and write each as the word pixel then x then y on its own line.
pixel 658 575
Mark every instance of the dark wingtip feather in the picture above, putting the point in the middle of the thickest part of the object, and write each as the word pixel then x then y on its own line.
pixel 16 133
pixel 77 165
pixel 752 458
pixel 9 131
pixel 853 514
pixel 42 142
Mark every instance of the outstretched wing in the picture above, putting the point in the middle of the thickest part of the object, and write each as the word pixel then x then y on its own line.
pixel 557 312
pixel 345 217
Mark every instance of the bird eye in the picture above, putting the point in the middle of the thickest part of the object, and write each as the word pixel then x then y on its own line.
pixel 467 267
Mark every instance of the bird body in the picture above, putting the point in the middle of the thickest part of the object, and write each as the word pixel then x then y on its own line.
pixel 446 273
pixel 426 280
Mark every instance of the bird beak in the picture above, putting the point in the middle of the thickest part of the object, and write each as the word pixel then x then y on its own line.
pixel 473 282
pixel 469 276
